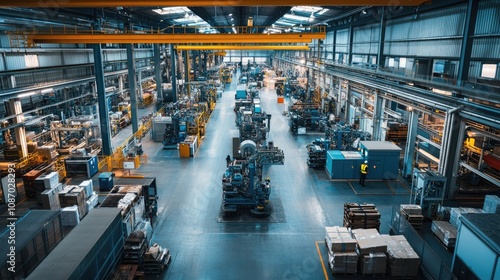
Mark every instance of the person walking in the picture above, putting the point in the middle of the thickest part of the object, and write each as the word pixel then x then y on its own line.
pixel 364 172
pixel 228 160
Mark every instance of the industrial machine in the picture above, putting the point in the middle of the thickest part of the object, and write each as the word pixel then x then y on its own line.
pixel 428 190
pixel 243 186
pixel 316 152
pixel 305 117
pixel 345 137
pixel 252 125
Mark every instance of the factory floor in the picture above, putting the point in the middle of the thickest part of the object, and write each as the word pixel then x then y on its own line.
pixel 290 245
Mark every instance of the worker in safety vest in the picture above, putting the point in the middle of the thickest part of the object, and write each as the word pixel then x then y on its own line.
pixel 228 160
pixel 364 172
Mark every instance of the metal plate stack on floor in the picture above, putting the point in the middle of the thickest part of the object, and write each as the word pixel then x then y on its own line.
pixel 413 214
pixel 445 232
pixel 371 249
pixel 361 216
pixel 156 259
pixel 134 249
pixel 342 256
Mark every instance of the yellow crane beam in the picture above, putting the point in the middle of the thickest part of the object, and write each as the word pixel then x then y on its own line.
pixel 172 38
pixel 243 47
pixel 199 3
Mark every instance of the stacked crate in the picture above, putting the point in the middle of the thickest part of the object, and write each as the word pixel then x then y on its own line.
pixel 73 195
pixel 413 214
pixel 134 249
pixel 45 182
pixel 491 204
pixel 50 198
pixel 47 152
pixel 361 216
pixel 70 216
pixel 372 252
pixel 342 256
pixel 29 182
pixel 156 259
pixel 403 261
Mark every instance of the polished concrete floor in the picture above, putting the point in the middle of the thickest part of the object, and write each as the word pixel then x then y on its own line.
pixel 205 247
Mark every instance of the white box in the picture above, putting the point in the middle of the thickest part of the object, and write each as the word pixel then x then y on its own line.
pixel 70 216
pixel 51 180
pixel 91 203
pixel 87 187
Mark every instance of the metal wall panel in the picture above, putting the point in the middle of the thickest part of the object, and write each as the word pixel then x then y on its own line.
pixel 75 58
pixel 367 33
pixel 435 48
pixel 438 23
pixel 488 17
pixel 486 48
pixel 365 48
pixel 15 61
pixel 475 69
pixel 49 59
pixel 4 41
pixel 342 40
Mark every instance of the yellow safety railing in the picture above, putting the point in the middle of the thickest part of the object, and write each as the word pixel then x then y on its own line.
pixel 30 159
pixel 60 168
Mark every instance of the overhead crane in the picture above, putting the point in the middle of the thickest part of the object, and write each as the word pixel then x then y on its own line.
pixel 201 3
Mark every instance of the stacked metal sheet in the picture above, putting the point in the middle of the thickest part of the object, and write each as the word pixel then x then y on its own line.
pixel 361 216
pixel 342 256
pixel 445 232
pixel 413 214
pixel 456 212
pixel 372 251
pixel 491 204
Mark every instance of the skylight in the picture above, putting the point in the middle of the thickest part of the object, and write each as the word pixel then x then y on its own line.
pixel 171 10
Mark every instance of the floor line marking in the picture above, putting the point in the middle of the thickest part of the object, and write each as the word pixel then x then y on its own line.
pixel 385 181
pixel 352 188
pixel 322 262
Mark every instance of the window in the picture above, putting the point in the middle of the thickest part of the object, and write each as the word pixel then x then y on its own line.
pixel 391 62
pixel 489 71
pixel 402 62
pixel 31 60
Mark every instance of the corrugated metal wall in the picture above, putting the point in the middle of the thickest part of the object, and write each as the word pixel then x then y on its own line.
pixel 342 40
pixel 488 17
pixel 365 40
pixel 443 23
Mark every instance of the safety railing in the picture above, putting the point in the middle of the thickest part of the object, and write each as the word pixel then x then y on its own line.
pixel 432 264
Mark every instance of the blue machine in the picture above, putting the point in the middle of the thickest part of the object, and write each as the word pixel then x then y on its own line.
pixel 383 159
pixel 242 183
pixel 241 92
pixel 106 181
pixel 344 164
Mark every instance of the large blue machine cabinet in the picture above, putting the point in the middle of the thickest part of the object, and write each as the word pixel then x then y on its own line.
pixel 343 164
pixel 106 181
pixel 81 165
pixel 383 159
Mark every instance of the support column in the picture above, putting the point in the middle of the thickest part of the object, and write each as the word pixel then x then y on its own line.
pixel 205 61
pixel 466 50
pixel 195 61
pixel 378 115
pixel 20 132
pixel 347 105
pixel 334 44
pixel 156 50
pixel 186 72
pixel 339 99
pixel 174 73
pixel 351 39
pixel 381 39
pixel 449 158
pixel 132 86
pixel 120 83
pixel 410 144
pixel 102 101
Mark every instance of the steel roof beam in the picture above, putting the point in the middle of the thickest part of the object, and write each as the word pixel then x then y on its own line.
pixel 244 47
pixel 172 38
pixel 199 3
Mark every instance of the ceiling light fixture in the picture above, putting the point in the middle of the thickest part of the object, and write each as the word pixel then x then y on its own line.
pixel 230 15
pixel 364 12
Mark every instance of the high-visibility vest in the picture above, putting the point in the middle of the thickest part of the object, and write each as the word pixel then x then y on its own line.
pixel 364 168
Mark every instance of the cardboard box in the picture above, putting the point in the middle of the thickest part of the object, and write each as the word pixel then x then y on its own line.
pixel 70 216
pixel 374 263
pixel 339 239
pixel 411 209
pixel 371 245
pixel 343 262
pixel 91 202
pixel 402 260
pixel 50 199
pixel 87 187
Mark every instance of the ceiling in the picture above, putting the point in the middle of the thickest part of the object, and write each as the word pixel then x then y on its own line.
pixel 210 19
